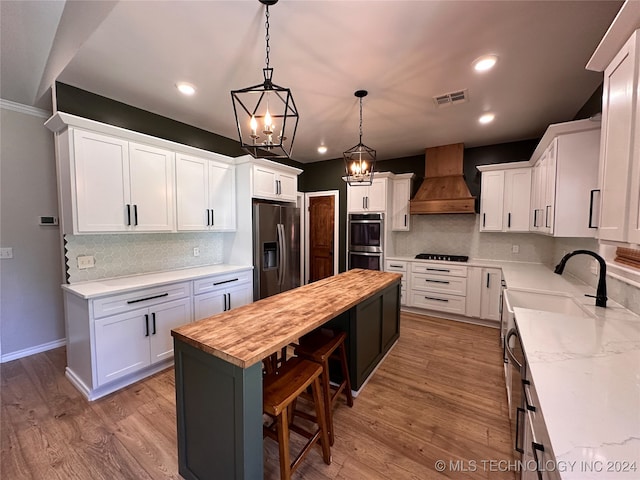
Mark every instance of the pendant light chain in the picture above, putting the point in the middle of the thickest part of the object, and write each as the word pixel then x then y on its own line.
pixel 267 37
pixel 360 119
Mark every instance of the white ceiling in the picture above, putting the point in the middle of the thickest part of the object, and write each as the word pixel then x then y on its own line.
pixel 402 52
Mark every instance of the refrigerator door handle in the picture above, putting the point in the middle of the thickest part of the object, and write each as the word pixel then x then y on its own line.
pixel 282 254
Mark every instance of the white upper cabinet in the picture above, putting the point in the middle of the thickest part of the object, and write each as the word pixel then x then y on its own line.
pixel 151 177
pixel 205 194
pixel 112 180
pixel 492 201
pixel 120 186
pixel 505 198
pixel 368 198
pixel 620 148
pixel 565 177
pixel 274 184
pixel 400 196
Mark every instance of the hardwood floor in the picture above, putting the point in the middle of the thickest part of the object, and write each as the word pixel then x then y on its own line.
pixel 439 395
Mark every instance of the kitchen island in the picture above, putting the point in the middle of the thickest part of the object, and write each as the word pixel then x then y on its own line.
pixel 219 371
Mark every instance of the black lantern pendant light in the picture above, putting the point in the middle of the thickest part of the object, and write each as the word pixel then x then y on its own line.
pixel 266 114
pixel 359 161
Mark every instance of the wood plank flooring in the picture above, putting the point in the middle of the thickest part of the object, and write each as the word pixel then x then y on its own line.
pixel 439 395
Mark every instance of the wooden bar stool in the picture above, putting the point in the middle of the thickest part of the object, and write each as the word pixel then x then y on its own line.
pixel 280 390
pixel 319 346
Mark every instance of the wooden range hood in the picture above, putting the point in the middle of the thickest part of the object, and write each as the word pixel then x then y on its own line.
pixel 443 189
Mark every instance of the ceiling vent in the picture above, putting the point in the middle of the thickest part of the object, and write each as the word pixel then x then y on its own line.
pixel 451 98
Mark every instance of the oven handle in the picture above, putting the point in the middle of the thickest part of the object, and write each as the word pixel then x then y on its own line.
pixel 366 254
pixel 512 358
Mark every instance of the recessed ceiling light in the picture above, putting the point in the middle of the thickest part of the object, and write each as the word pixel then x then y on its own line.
pixel 322 149
pixel 485 63
pixel 486 118
pixel 186 88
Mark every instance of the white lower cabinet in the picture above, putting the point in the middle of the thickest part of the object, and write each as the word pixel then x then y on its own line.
pixel 401 267
pixel 490 296
pixel 114 340
pixel 438 286
pixel 131 341
pixel 219 294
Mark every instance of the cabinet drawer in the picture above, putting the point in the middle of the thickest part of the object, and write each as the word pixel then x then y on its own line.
pixel 221 282
pixel 438 301
pixel 439 284
pixel 140 298
pixel 439 269
pixel 395 266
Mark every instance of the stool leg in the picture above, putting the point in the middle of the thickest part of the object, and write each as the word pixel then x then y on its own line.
pixel 328 404
pixel 345 374
pixel 283 444
pixel 322 421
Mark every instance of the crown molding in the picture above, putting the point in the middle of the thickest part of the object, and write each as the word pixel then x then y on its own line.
pixel 19 107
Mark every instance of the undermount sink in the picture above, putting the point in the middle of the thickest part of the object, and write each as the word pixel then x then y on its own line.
pixel 548 302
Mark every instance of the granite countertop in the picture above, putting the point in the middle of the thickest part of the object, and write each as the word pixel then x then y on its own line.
pixel 247 334
pixel 110 286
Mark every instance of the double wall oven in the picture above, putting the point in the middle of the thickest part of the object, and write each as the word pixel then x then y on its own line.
pixel 366 240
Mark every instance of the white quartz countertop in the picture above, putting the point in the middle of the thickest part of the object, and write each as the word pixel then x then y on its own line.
pixel 99 288
pixel 586 372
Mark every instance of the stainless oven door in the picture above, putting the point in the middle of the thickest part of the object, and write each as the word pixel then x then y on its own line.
pixel 366 260
pixel 366 233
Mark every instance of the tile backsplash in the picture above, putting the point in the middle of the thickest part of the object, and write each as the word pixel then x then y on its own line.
pixel 129 254
pixel 458 234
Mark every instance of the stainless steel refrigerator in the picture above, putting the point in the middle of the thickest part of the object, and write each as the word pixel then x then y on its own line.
pixel 276 248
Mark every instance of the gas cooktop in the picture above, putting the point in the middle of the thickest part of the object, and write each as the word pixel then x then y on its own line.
pixel 438 256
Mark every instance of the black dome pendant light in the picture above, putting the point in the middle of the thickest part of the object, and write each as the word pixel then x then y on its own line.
pixel 266 114
pixel 359 161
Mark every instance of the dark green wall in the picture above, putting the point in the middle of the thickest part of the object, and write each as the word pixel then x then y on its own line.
pixel 102 109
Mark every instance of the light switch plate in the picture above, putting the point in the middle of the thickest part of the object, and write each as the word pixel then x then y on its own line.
pixel 6 252
pixel 86 261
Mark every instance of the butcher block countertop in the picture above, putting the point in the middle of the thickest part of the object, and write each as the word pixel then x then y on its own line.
pixel 247 334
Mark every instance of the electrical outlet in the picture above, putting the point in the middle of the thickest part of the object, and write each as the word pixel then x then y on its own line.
pixel 196 251
pixel 515 248
pixel 6 252
pixel 86 261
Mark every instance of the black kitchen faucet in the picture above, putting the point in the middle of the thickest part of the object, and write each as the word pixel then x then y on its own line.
pixel 601 291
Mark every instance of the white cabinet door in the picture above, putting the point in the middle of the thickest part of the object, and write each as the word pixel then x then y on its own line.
pixel 273 184
pixel 490 301
pixel 212 303
pixel 356 198
pixel 101 182
pixel 288 186
pixel 400 217
pixel 151 180
pixel 377 195
pixel 222 196
pixel 550 187
pixel 491 201
pixel 367 198
pixel 192 190
pixel 122 344
pixel 240 295
pixel 517 199
pixel 619 154
pixel 264 182
pixel 536 197
pixel 209 304
pixel 165 317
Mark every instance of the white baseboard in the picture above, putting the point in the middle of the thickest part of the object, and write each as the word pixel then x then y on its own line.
pixel 33 350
